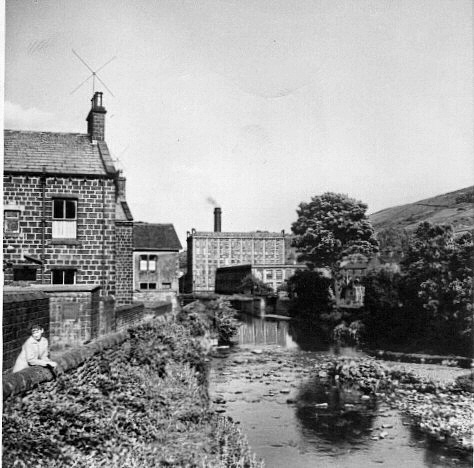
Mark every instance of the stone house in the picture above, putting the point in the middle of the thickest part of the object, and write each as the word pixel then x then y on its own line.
pixel 155 263
pixel 66 219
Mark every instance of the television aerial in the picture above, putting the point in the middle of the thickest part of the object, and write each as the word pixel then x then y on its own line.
pixel 93 74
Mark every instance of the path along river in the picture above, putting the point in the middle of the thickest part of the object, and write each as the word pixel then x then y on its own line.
pixel 271 384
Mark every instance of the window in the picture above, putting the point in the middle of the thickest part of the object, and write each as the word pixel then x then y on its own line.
pixel 148 262
pixel 11 221
pixel 268 274
pixel 24 273
pixel 166 285
pixel 147 285
pixel 279 274
pixel 64 218
pixel 63 276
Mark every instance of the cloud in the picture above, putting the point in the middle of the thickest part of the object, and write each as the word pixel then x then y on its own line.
pixel 19 118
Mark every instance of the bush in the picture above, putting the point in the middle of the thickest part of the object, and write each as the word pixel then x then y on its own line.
pixel 465 383
pixel 148 406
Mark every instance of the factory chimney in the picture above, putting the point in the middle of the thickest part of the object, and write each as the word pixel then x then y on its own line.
pixel 217 219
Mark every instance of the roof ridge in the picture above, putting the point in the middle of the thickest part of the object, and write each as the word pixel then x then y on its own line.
pixel 45 131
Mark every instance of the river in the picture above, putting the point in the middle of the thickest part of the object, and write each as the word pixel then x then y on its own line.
pixel 292 415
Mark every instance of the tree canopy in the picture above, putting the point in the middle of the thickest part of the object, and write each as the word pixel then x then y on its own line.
pixel 330 227
pixel 439 270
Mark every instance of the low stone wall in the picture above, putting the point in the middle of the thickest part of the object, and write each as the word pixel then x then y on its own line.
pixel 74 313
pixel 453 361
pixel 81 363
pixel 129 315
pixel 152 299
pixel 22 307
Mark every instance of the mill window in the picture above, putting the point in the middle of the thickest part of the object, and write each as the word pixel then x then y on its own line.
pixel 64 218
pixel 147 285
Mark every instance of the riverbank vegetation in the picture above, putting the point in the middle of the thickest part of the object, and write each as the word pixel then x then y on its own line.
pixel 145 405
pixel 423 304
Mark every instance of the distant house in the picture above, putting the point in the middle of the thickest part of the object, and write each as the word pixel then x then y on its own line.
pixel 66 220
pixel 155 263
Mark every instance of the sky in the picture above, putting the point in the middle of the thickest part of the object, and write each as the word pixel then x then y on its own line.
pixel 254 105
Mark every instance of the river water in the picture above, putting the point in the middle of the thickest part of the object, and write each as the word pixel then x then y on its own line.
pixel 293 417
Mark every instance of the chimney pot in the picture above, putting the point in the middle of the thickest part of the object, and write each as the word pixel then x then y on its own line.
pixel 96 118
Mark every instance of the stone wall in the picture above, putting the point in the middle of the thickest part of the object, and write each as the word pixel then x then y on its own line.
pixel 124 259
pixel 106 315
pixel 91 253
pixel 21 309
pixel 154 299
pixel 74 314
pixel 129 315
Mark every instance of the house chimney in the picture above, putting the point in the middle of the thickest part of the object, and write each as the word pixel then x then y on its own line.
pixel 121 181
pixel 96 118
pixel 217 219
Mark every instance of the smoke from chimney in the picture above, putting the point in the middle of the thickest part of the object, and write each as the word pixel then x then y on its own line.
pixel 217 219
pixel 212 201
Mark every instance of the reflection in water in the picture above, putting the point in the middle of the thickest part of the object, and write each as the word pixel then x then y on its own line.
pixel 289 335
pixel 334 413
pixel 257 331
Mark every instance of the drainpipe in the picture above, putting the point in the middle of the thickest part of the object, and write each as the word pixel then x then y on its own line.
pixel 103 236
pixel 43 221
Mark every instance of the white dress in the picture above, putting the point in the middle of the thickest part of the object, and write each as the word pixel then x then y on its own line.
pixel 33 353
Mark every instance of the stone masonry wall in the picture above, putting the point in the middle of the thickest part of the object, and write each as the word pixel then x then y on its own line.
pixel 91 253
pixel 124 259
pixel 74 317
pixel 21 309
pixel 129 315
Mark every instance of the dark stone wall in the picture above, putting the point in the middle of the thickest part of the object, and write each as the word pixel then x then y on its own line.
pixel 21 309
pixel 92 253
pixel 74 316
pixel 129 315
pixel 124 259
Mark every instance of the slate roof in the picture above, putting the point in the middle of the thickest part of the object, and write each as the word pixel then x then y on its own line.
pixel 155 237
pixel 58 153
pixel 122 211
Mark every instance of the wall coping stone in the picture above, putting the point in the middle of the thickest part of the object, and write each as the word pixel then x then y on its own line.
pixel 135 305
pixel 13 294
pixel 48 288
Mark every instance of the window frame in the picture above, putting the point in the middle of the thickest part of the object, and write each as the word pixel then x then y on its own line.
pixel 17 219
pixel 64 271
pixel 25 268
pixel 65 225
pixel 148 259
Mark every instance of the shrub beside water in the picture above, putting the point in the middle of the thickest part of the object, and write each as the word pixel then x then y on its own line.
pixel 147 407
pixel 216 318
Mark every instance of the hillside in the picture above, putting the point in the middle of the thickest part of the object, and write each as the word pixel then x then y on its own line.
pixel 456 208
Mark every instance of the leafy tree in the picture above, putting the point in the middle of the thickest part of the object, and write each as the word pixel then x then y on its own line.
pixel 311 293
pixel 438 271
pixel 330 227
pixel 254 285
pixel 386 321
